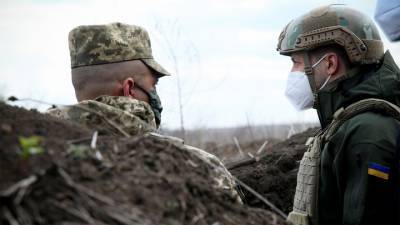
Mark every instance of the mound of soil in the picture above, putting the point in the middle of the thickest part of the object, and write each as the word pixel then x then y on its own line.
pixel 81 179
pixel 274 174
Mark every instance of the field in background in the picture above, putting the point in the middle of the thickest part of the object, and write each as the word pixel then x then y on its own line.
pixel 237 143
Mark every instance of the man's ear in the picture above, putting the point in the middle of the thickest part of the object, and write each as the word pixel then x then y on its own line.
pixel 127 87
pixel 333 64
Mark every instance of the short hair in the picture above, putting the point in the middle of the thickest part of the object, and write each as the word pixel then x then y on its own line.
pixel 101 78
pixel 338 50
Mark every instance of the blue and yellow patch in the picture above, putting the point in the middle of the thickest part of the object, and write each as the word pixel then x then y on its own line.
pixel 377 170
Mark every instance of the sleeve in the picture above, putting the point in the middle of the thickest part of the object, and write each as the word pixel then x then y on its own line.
pixel 222 177
pixel 369 164
pixel 370 186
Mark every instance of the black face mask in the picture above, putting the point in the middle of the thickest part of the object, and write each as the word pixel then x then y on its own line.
pixel 154 102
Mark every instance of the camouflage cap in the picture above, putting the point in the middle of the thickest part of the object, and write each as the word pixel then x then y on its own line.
pixel 111 43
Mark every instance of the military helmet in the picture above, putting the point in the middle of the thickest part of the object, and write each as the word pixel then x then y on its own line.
pixel 334 24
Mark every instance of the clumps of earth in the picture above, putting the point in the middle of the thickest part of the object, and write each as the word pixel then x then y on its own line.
pixel 58 172
pixel 274 174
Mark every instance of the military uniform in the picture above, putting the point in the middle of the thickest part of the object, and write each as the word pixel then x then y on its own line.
pixel 359 181
pixel 119 115
pixel 387 14
pixel 115 114
pixel 350 172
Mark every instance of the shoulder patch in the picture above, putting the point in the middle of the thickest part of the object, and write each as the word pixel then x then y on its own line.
pixel 377 170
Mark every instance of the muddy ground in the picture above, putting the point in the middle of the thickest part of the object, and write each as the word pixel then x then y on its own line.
pixel 273 174
pixel 53 172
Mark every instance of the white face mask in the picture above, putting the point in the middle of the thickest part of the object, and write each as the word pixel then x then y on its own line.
pixel 298 89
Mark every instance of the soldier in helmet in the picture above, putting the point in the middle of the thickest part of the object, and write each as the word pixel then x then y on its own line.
pixel 350 171
pixel 114 76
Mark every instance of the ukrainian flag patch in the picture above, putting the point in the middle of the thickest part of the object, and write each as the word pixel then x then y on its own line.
pixel 374 169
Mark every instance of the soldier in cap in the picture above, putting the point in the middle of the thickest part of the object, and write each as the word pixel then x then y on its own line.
pixel 114 76
pixel 350 171
pixel 115 60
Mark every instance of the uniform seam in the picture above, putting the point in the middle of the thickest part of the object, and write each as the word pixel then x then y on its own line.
pixel 366 143
pixel 390 10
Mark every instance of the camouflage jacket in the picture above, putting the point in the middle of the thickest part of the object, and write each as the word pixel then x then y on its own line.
pixel 111 114
pixel 126 116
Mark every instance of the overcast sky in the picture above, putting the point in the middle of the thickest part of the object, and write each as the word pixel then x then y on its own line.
pixel 229 70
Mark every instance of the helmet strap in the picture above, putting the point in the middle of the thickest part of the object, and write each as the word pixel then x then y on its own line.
pixel 311 78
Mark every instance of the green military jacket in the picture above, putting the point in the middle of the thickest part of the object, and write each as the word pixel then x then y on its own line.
pixel 359 170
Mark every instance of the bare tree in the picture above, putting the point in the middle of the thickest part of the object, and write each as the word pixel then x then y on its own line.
pixel 179 51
